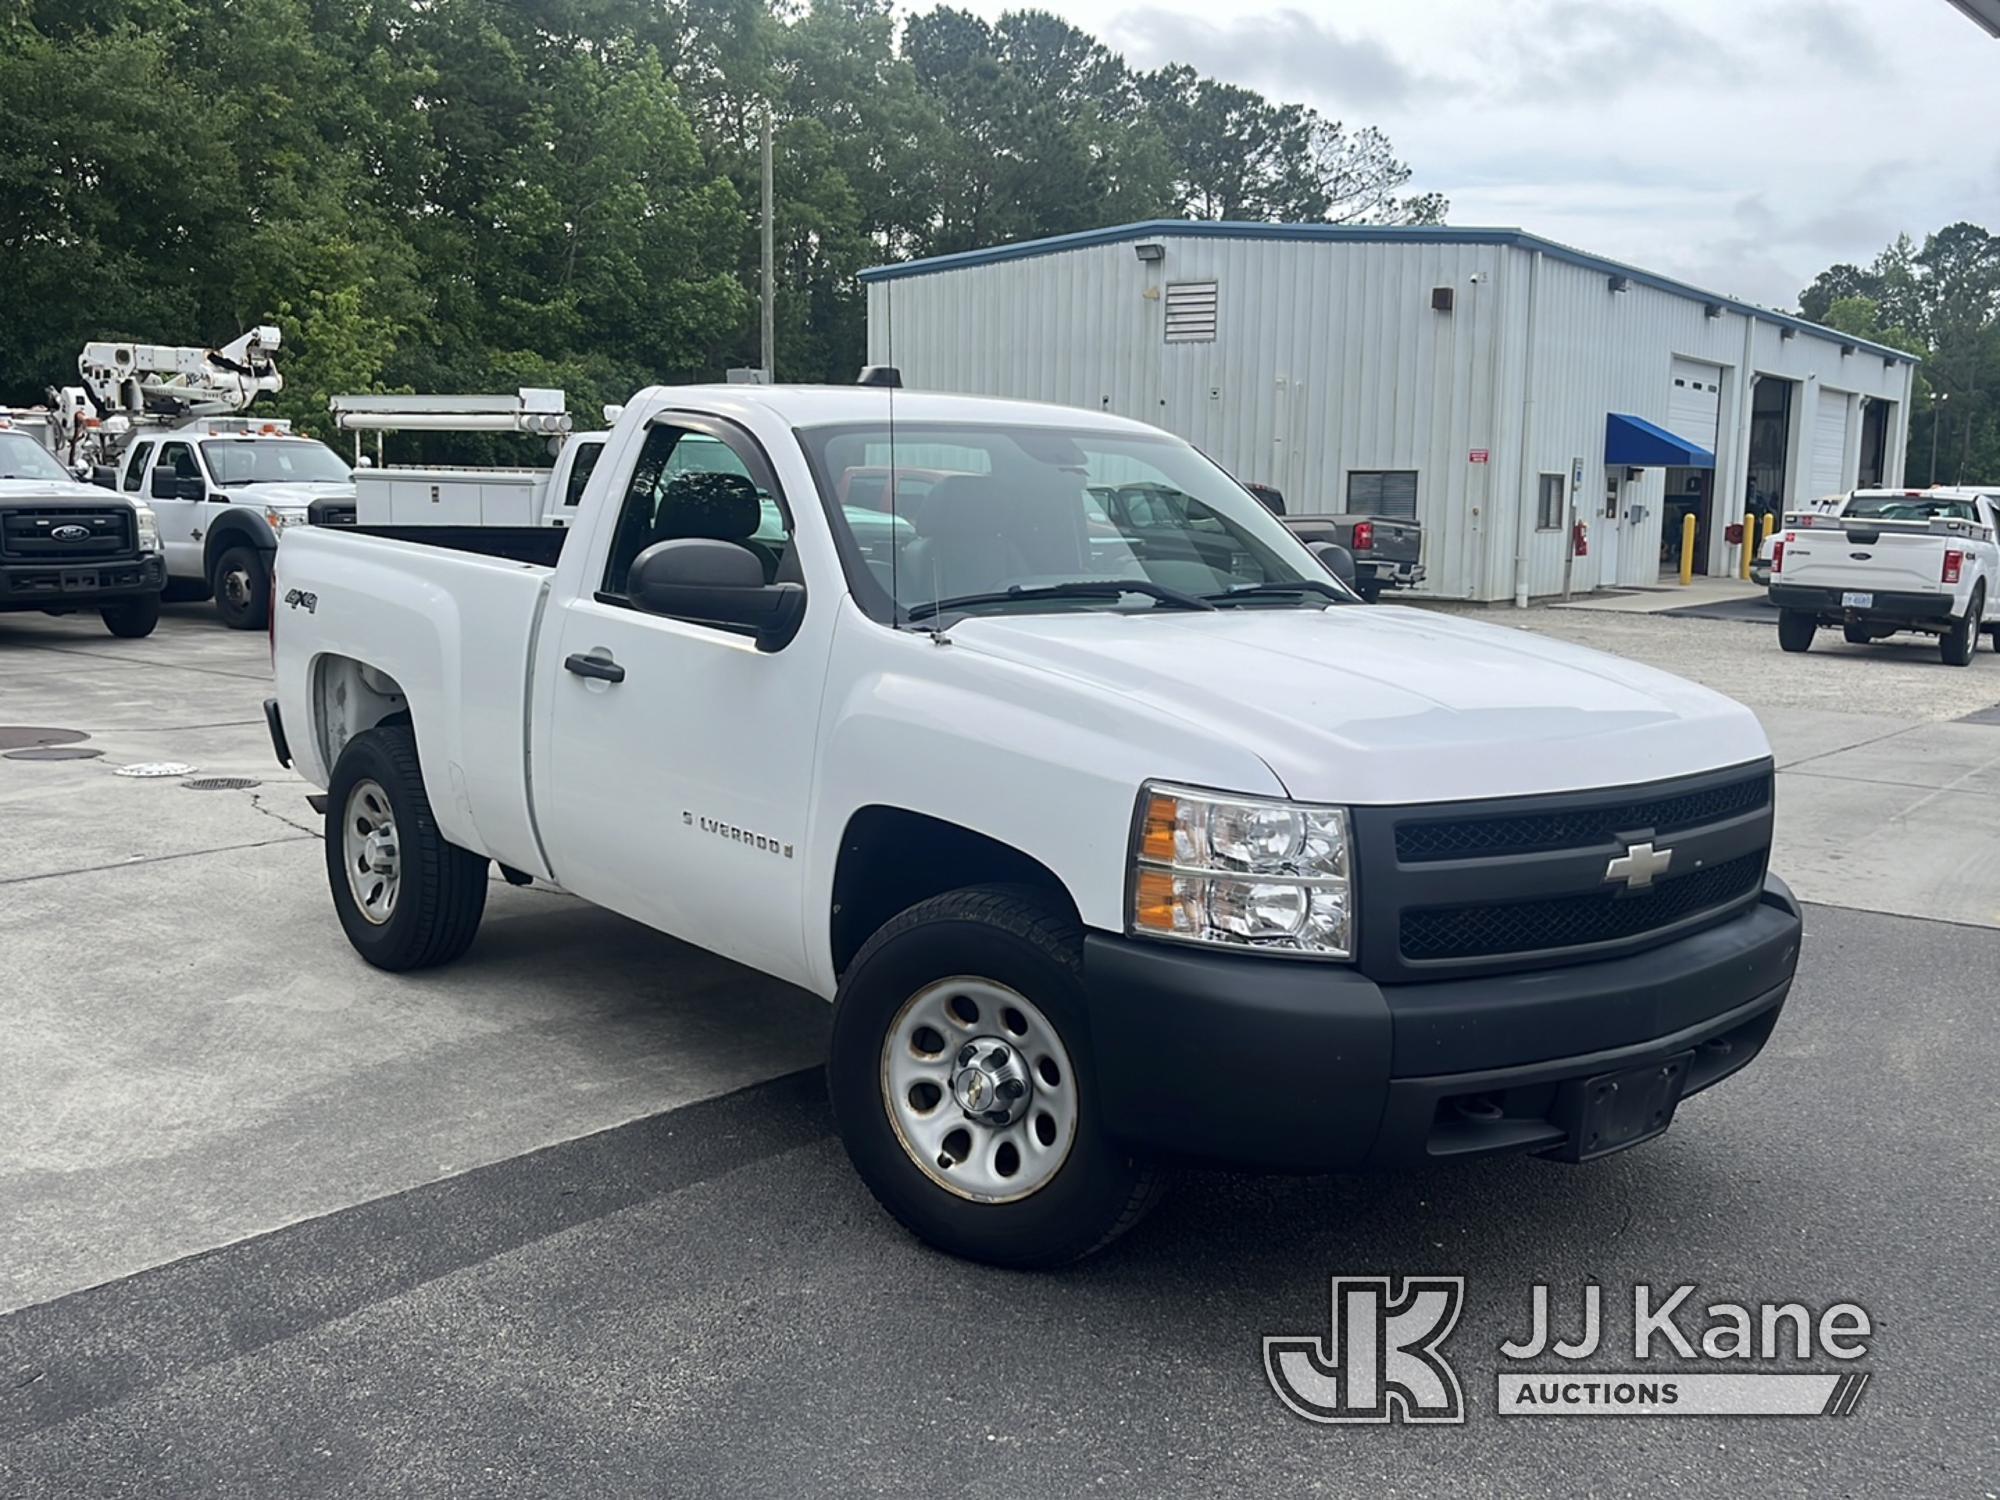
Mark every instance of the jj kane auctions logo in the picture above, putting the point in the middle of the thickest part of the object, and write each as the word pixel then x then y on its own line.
pixel 1382 1358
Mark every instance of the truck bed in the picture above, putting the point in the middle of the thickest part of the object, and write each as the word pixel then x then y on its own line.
pixel 540 545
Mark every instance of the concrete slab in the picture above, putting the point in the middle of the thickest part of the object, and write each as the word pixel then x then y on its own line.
pixel 1668 597
pixel 1880 846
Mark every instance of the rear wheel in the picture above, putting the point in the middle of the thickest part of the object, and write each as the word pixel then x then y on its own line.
pixel 133 618
pixel 1958 643
pixel 406 898
pixel 241 581
pixel 962 1083
pixel 1796 629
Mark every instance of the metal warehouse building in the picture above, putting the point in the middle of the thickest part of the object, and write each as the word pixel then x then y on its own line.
pixel 1499 387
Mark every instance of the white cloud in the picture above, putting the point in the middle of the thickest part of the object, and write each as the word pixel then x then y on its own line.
pixel 1741 146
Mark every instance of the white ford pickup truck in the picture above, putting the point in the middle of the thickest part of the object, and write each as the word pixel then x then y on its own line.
pixel 1112 846
pixel 1886 561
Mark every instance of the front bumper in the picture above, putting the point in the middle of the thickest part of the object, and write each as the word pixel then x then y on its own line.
pixel 1886 606
pixel 1295 1066
pixel 80 585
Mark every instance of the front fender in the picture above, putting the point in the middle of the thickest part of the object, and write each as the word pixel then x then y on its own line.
pixel 238 526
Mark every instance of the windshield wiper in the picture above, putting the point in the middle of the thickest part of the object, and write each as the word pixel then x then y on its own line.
pixel 1091 588
pixel 1290 590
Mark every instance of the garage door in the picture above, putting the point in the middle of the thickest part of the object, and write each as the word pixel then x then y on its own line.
pixel 1829 448
pixel 1693 400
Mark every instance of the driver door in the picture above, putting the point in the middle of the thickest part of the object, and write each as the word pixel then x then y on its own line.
pixel 679 791
pixel 182 522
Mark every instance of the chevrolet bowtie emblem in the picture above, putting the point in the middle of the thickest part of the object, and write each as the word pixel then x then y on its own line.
pixel 1638 865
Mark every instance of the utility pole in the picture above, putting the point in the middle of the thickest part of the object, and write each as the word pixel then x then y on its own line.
pixel 770 339
pixel 1937 399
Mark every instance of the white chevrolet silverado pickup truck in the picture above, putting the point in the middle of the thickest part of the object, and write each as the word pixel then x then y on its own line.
pixel 1886 561
pixel 1112 846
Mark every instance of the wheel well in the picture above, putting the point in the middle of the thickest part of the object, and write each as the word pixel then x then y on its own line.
pixel 891 858
pixel 228 534
pixel 349 698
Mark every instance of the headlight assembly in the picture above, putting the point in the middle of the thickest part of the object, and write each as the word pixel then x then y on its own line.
pixel 148 529
pixel 1252 873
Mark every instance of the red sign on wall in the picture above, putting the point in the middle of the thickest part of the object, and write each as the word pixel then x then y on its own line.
pixel 1477 455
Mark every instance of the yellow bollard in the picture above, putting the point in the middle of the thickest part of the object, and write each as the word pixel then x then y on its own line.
pixel 1770 525
pixel 1687 549
pixel 1749 540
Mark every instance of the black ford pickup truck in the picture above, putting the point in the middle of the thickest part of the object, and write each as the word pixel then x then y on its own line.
pixel 66 547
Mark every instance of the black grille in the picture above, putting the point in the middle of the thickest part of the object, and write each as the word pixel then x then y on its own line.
pixel 1528 833
pixel 33 533
pixel 1452 932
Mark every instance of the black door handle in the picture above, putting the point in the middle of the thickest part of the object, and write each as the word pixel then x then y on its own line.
pixel 602 668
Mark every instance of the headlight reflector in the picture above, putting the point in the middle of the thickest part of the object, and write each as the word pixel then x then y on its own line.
pixel 1247 872
pixel 148 529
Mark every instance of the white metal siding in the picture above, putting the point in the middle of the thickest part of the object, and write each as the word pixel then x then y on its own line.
pixel 1694 401
pixel 1829 444
pixel 1328 359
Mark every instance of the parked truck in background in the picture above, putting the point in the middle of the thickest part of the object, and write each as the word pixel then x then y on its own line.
pixel 67 547
pixel 1388 552
pixel 1890 561
pixel 1113 840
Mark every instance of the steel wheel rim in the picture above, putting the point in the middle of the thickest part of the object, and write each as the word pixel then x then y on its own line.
pixel 370 853
pixel 925 1092
pixel 236 587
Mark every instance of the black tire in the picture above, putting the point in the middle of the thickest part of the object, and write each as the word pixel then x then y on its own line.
pixel 1796 629
pixel 1957 645
pixel 132 619
pixel 1855 635
pixel 241 583
pixel 1006 935
pixel 1369 590
pixel 442 890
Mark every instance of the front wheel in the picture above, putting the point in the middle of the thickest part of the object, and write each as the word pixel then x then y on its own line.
pixel 1957 644
pixel 241 581
pixel 132 619
pixel 1795 630
pixel 407 898
pixel 962 1084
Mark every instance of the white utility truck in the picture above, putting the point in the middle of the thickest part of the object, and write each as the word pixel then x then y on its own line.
pixel 1887 561
pixel 162 423
pixel 1111 847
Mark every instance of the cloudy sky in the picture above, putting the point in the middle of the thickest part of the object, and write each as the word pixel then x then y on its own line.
pixel 1743 145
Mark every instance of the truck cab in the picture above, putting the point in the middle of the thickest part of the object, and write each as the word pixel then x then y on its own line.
pixel 225 489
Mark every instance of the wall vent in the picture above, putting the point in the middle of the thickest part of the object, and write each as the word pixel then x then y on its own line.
pixel 1191 311
pixel 1441 299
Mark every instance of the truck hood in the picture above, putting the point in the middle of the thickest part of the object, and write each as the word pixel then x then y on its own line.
pixel 57 492
pixel 285 496
pixel 1384 705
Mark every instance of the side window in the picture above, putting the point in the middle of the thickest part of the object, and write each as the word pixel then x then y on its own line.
pixel 587 455
pixel 180 458
pixel 136 470
pixel 1549 503
pixel 688 484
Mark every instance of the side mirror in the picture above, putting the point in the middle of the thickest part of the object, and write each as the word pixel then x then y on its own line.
pixel 168 485
pixel 716 583
pixel 104 476
pixel 1335 558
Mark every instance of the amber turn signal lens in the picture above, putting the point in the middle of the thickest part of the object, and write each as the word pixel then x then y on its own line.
pixel 1156 841
pixel 1153 901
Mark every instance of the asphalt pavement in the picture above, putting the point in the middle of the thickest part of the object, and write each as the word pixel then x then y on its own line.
pixel 567 1219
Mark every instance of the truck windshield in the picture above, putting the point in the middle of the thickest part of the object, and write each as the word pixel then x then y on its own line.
pixel 234 461
pixel 21 457
pixel 1008 514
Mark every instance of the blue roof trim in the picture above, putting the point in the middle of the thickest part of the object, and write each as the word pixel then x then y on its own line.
pixel 1638 444
pixel 1426 234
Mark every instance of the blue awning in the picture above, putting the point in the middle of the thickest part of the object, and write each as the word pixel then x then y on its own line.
pixel 1638 444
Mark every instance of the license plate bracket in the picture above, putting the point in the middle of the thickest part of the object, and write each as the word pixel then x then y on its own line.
pixel 1857 601
pixel 1612 1111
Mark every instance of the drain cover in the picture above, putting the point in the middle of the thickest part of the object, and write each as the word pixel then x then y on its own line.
pixel 158 768
pixel 24 736
pixel 221 783
pixel 52 752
